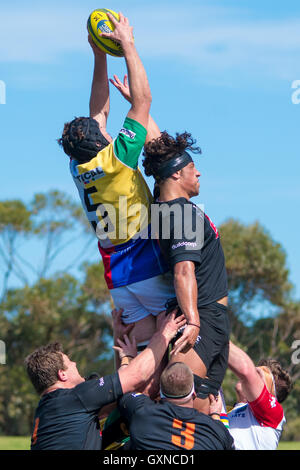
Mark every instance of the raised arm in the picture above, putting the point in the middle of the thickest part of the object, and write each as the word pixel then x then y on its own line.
pixel 153 131
pixel 187 294
pixel 137 77
pixel 243 367
pixel 99 99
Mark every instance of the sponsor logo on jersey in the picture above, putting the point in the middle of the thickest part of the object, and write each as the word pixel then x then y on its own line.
pixel 198 339
pixel 91 175
pixel 101 382
pixel 272 402
pixel 178 245
pixel 128 133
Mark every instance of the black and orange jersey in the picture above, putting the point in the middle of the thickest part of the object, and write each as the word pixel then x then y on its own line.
pixel 164 426
pixel 67 419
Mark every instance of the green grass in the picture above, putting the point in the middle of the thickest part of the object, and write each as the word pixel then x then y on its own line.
pixel 289 446
pixel 23 443
pixel 14 443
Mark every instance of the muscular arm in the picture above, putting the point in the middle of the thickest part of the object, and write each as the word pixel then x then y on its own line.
pixel 99 99
pixel 137 77
pixel 187 294
pixel 139 87
pixel 153 131
pixel 186 290
pixel 243 367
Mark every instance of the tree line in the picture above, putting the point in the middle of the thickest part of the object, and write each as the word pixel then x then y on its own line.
pixel 53 289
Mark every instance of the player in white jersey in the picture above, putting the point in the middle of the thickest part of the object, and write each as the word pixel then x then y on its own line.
pixel 256 421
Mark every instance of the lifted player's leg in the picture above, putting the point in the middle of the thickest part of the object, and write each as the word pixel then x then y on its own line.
pixel 141 303
pixel 199 370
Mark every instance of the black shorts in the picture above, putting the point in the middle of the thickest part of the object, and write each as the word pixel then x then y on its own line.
pixel 212 345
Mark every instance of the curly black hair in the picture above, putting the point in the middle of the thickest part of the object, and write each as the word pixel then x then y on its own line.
pixel 159 150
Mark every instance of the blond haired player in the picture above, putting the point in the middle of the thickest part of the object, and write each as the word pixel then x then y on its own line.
pixel 113 192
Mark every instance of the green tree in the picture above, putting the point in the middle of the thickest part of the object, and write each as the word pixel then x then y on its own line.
pixel 51 304
pixel 56 309
pixel 15 224
pixel 40 242
pixel 265 318
pixel 37 239
pixel 257 274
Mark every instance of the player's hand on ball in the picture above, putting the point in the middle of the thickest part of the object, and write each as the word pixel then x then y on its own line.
pixel 96 50
pixel 123 32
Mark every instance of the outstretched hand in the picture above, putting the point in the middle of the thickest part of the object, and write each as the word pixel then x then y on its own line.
pixel 122 87
pixel 119 328
pixel 168 325
pixel 186 341
pixel 215 404
pixel 126 348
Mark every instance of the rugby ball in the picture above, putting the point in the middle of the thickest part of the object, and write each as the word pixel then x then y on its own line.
pixel 98 22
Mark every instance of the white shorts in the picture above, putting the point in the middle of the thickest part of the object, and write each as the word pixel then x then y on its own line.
pixel 143 298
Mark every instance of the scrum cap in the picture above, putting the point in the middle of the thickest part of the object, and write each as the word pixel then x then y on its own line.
pixel 83 139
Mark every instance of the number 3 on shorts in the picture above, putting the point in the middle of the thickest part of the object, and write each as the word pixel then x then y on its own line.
pixel 186 438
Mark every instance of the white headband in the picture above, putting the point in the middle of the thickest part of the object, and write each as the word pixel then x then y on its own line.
pixel 187 397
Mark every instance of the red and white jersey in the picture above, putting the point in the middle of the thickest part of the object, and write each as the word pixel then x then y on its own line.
pixel 257 425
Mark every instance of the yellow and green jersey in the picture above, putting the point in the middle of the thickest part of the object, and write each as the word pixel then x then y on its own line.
pixel 117 202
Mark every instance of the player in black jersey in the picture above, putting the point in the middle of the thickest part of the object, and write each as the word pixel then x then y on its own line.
pixel 191 244
pixel 173 423
pixel 67 414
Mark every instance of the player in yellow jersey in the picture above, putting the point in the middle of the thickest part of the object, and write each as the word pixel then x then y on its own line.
pixel 113 192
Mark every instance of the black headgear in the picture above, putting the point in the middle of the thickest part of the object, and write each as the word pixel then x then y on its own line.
pixel 83 140
pixel 172 165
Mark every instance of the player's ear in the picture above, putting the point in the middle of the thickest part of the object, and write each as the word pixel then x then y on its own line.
pixel 62 375
pixel 176 175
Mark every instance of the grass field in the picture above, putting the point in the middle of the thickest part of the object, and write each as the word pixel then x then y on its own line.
pixel 14 443
pixel 23 443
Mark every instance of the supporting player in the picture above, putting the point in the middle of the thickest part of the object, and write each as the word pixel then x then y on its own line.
pixel 113 192
pixel 195 256
pixel 173 423
pixel 256 421
pixel 66 417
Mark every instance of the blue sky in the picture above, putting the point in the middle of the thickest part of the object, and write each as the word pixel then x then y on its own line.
pixel 222 70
